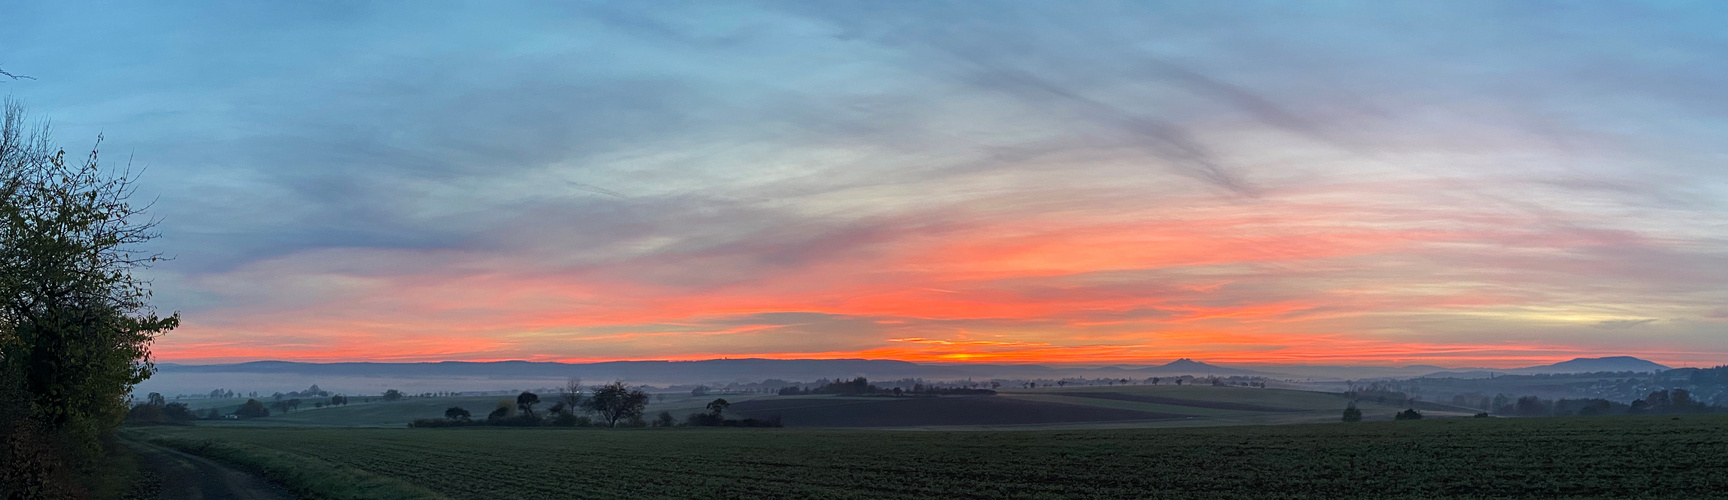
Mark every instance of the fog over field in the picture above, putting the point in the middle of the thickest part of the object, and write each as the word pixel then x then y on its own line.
pixel 863 249
pixel 375 378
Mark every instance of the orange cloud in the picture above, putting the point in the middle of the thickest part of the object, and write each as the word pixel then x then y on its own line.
pixel 1302 283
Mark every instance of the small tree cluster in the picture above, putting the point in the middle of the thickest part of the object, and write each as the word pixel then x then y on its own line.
pixel 157 410
pixel 252 409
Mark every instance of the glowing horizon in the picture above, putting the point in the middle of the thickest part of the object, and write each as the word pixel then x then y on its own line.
pixel 1473 185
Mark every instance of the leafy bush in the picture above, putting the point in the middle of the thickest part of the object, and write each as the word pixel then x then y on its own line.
pixel 252 409
pixel 1531 406
pixel 442 422
pixel 516 421
pixel 145 414
pixel 712 420
pixel 568 419
pixel 773 421
pixel 1351 413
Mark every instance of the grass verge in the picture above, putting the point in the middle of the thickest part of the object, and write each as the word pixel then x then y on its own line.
pixel 304 476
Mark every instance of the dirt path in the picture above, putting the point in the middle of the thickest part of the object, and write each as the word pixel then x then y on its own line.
pixel 182 476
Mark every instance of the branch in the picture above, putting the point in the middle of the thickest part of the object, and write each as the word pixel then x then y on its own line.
pixel 16 77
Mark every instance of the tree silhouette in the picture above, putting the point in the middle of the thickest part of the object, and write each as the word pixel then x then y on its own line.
pixel 616 401
pixel 570 394
pixel 718 406
pixel 1531 406
pixel 1680 400
pixel 456 413
pixel 252 409
pixel 75 324
pixel 178 412
pixel 526 402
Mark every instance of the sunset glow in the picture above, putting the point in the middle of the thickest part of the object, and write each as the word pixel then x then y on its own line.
pixel 980 184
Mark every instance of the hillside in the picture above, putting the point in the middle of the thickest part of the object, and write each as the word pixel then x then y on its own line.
pixel 1591 365
pixel 1577 365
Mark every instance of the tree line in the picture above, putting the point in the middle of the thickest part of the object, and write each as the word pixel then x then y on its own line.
pixel 611 405
pixel 1662 402
pixel 860 386
pixel 155 409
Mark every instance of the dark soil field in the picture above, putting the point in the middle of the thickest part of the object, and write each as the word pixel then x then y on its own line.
pixel 910 412
pixel 1578 457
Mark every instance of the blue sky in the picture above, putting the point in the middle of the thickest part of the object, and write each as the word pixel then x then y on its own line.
pixel 1373 182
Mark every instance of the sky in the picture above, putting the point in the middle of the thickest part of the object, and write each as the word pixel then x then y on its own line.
pixel 1373 183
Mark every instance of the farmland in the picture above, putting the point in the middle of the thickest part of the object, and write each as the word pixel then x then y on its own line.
pixel 904 412
pixel 378 413
pixel 1069 408
pixel 1684 457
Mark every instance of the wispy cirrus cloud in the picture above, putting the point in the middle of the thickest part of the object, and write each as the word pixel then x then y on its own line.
pixel 1099 181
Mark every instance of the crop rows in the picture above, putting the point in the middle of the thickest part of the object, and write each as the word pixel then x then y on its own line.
pixel 1578 457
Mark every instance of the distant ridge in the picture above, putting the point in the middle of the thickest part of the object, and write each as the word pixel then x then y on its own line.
pixel 1607 364
pixel 1575 365
pixel 803 370
pixel 713 370
pixel 1182 366
pixel 1185 366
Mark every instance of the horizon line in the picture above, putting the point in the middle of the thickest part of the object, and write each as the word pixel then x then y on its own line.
pixel 1148 363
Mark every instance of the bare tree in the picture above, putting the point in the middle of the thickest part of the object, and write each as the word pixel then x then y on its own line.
pixel 570 395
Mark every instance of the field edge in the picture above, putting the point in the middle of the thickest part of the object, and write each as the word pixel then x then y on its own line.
pixel 306 477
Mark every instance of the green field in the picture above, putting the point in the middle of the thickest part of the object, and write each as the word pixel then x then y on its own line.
pixel 1137 406
pixel 1057 408
pixel 1616 457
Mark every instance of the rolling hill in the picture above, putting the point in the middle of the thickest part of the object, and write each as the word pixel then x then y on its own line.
pixel 1576 365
